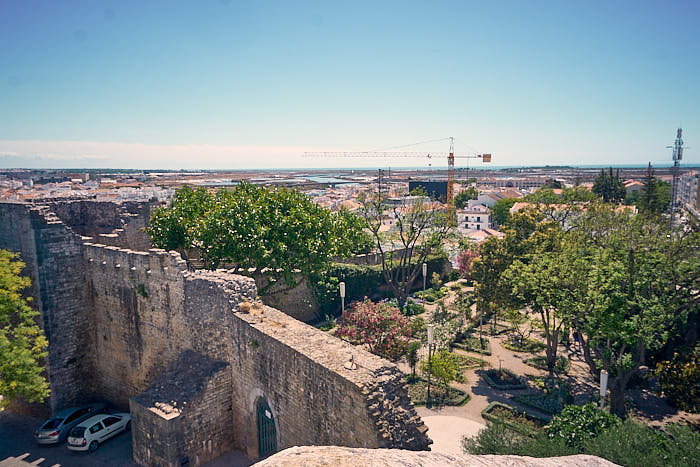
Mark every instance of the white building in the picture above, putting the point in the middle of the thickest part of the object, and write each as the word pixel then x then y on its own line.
pixel 474 217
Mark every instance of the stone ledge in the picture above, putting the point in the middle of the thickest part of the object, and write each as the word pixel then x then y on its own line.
pixel 321 456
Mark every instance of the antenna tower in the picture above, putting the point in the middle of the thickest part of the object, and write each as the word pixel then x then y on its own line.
pixel 677 157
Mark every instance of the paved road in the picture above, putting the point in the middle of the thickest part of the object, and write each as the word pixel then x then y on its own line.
pixel 17 439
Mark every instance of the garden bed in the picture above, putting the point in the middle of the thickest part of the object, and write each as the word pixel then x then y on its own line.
pixel 496 330
pixel 527 345
pixel 466 362
pixel 521 422
pixel 542 402
pixel 471 344
pixel 562 365
pixel 503 379
pixel 418 392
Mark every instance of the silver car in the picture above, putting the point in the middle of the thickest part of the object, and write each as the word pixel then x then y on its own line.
pixel 55 429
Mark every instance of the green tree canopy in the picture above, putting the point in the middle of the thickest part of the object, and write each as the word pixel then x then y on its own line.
pixel 640 285
pixel 609 186
pixel 22 342
pixel 280 231
pixel 462 198
pixel 500 211
pixel 654 198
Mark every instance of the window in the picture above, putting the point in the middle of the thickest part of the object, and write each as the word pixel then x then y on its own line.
pixel 51 424
pixel 478 218
pixel 77 414
pixel 96 427
pixel 109 421
pixel 478 227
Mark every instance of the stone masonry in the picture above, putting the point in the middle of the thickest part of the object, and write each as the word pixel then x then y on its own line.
pixel 191 352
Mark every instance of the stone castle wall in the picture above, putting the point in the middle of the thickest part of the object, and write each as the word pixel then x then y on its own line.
pixel 51 251
pixel 135 328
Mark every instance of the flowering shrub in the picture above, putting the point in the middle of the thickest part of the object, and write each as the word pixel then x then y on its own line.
pixel 680 380
pixel 464 262
pixel 381 326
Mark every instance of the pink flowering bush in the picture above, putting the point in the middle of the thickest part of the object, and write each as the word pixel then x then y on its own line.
pixel 381 326
pixel 464 262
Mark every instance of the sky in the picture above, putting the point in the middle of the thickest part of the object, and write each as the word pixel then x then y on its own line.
pixel 216 84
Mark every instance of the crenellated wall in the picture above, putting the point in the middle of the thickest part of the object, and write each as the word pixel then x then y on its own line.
pixel 137 326
pixel 140 330
pixel 51 251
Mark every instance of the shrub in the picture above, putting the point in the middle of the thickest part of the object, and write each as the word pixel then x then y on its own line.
pixel 632 444
pixel 679 379
pixel 379 325
pixel 443 367
pixel 498 438
pixel 418 327
pixel 517 420
pixel 453 276
pixel 577 424
pixel 412 308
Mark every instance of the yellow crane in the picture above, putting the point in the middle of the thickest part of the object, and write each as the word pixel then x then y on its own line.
pixel 400 154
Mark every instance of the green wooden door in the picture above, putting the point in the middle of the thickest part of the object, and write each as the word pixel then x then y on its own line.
pixel 267 435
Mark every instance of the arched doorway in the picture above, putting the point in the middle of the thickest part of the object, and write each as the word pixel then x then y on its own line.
pixel 267 434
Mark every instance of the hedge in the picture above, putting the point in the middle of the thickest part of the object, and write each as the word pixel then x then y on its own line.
pixel 360 281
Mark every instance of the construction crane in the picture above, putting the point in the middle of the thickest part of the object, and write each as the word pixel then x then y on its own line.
pixel 400 154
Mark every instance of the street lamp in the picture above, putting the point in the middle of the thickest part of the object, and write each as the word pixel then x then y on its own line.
pixel 425 273
pixel 342 297
pixel 431 328
pixel 603 387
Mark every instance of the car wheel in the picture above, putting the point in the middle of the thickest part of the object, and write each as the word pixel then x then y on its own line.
pixel 128 426
pixel 93 446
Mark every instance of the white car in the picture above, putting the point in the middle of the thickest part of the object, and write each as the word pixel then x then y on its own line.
pixel 88 435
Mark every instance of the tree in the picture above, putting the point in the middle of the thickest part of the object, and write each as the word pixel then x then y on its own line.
pixel 442 367
pixel 420 229
pixel 520 327
pixel 279 232
pixel 412 356
pixel 463 197
pixel 500 211
pixel 381 326
pixel 544 281
pixel 655 197
pixel 609 186
pixel 642 281
pixel 496 255
pixel 22 342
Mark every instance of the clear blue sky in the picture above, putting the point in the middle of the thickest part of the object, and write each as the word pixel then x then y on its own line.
pixel 233 84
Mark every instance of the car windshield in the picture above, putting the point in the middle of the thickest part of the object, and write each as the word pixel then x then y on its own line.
pixel 52 423
pixel 77 432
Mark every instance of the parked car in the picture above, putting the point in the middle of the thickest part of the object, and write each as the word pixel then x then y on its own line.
pixel 89 434
pixel 55 429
